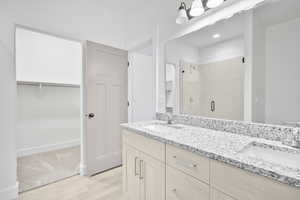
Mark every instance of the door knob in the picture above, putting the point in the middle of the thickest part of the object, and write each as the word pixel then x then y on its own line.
pixel 91 115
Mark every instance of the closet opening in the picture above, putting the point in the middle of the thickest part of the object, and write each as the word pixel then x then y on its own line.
pixel 48 124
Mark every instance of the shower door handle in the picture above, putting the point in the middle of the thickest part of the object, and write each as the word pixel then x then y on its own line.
pixel 212 106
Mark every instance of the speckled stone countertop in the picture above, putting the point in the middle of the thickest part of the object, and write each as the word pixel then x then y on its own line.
pixel 223 146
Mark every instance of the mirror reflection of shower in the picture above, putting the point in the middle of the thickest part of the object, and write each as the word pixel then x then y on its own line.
pixel 170 87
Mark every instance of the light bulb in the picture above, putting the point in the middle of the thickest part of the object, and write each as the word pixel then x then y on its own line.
pixel 197 8
pixel 182 14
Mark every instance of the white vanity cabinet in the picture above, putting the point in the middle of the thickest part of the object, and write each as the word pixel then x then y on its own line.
pixel 243 185
pixel 132 173
pixel 187 175
pixel 154 170
pixel 153 179
pixel 144 173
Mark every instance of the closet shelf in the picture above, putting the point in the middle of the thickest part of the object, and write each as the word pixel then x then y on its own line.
pixel 47 84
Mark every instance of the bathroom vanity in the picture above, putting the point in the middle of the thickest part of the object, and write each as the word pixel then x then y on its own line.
pixel 183 162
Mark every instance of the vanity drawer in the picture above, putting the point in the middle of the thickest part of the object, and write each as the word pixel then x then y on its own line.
pixel 217 195
pixel 243 185
pixel 190 163
pixel 149 146
pixel 184 187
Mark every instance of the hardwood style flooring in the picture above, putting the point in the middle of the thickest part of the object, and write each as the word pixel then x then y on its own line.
pixel 104 186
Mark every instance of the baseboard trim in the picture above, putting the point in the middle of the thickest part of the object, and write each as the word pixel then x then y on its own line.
pixel 10 193
pixel 45 148
pixel 83 170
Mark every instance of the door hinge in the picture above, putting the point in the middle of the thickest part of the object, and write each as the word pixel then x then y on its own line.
pixel 128 104
pixel 128 63
pixel 243 60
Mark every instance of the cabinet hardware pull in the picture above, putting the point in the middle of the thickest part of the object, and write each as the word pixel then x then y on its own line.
pixel 141 168
pixel 174 190
pixel 135 162
pixel 191 165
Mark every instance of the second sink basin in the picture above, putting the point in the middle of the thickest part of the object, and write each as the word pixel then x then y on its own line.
pixel 273 154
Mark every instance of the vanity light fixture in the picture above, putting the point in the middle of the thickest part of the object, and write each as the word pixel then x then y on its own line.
pixel 182 14
pixel 197 8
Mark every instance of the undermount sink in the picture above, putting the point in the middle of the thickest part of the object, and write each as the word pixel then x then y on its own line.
pixel 272 154
pixel 163 127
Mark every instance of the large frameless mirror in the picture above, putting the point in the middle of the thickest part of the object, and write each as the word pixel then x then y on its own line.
pixel 242 68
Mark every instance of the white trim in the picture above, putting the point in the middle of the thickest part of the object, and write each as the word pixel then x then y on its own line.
pixel 45 148
pixel 83 169
pixel 10 193
pixel 83 112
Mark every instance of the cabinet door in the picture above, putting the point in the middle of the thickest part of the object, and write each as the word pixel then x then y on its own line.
pixel 132 173
pixel 152 178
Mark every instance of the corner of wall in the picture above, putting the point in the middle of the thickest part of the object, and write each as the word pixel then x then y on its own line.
pixel 10 193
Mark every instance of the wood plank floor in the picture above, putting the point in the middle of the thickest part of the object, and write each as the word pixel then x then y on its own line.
pixel 104 186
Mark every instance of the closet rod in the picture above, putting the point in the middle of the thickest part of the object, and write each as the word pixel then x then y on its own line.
pixel 47 84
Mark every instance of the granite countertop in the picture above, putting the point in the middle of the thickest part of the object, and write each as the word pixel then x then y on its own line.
pixel 222 146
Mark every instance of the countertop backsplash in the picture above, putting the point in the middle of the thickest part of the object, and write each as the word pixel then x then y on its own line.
pixel 267 131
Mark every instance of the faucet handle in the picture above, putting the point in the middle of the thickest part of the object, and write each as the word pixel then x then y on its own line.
pixel 169 117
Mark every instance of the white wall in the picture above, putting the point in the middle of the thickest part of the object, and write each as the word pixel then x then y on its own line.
pixel 178 50
pixel 45 58
pixel 259 68
pixel 80 20
pixel 48 118
pixel 8 185
pixel 282 72
pixel 222 51
pixel 141 88
pixel 267 54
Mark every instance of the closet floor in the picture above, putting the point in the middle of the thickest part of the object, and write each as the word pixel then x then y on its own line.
pixel 48 167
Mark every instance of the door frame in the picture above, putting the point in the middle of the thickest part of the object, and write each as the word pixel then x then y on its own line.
pixel 82 170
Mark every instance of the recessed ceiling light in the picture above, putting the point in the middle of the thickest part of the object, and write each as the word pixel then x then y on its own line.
pixel 216 36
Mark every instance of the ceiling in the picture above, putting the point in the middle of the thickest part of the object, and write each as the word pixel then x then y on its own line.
pixel 227 29
pixel 277 12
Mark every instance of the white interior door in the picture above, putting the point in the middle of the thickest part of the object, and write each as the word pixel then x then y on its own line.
pixel 106 98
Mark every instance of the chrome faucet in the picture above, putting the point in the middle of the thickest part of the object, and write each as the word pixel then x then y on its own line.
pixel 169 118
pixel 296 144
